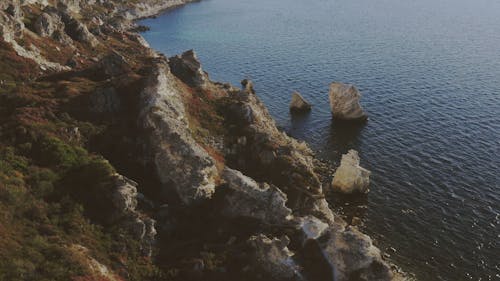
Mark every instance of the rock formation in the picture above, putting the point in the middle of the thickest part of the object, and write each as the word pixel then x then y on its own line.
pixel 232 196
pixel 180 162
pixel 344 102
pixel 349 176
pixel 247 199
pixel 272 256
pixel 298 103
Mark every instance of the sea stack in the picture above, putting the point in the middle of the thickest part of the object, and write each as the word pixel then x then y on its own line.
pixel 344 102
pixel 299 104
pixel 349 176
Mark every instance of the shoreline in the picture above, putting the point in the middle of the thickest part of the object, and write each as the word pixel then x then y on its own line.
pixel 193 147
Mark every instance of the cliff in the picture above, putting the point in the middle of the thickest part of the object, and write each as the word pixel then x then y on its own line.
pixel 117 163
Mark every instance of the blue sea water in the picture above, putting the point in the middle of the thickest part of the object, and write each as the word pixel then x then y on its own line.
pixel 429 72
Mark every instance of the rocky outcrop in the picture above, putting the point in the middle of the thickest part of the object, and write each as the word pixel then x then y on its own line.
pixel 299 104
pixel 247 199
pixel 272 256
pixel 349 255
pixel 77 30
pixel 49 24
pixel 349 176
pixel 181 164
pixel 265 146
pixel 123 201
pixel 242 170
pixel 344 102
pixel 187 67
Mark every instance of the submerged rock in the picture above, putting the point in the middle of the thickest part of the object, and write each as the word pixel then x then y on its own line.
pixel 299 104
pixel 344 102
pixel 349 176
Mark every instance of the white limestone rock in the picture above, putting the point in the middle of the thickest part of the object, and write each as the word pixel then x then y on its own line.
pixel 349 176
pixel 344 102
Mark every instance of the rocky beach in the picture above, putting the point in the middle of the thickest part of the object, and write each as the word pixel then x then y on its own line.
pixel 120 163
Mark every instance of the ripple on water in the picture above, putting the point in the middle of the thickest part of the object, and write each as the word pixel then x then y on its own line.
pixel 429 73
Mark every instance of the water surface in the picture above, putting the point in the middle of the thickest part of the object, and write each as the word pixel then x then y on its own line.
pixel 429 72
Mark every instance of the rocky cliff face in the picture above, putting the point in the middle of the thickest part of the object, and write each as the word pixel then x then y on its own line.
pixel 218 191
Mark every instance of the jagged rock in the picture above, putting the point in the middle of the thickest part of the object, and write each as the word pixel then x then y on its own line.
pixel 124 197
pixel 77 30
pixel 312 228
pixel 350 255
pixel 123 201
pixel 187 67
pixel 181 164
pixel 266 146
pixel 349 176
pixel 299 104
pixel 45 25
pixel 247 86
pixel 248 199
pixel 344 102
pixel 14 10
pixel 98 270
pixel 114 64
pixel 273 257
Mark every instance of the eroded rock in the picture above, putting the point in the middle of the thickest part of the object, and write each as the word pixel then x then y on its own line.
pixel 123 201
pixel 272 256
pixel 344 102
pixel 352 256
pixel 181 164
pixel 248 199
pixel 299 104
pixel 188 68
pixel 349 176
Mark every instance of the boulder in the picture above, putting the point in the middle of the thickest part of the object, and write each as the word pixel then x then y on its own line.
pixel 187 67
pixel 78 31
pixel 299 104
pixel 349 176
pixel 114 64
pixel 248 199
pixel 273 258
pixel 344 102
pixel 123 203
pixel 311 228
pixel 45 25
pixel 351 255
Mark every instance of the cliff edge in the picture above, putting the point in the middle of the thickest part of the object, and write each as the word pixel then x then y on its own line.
pixel 118 163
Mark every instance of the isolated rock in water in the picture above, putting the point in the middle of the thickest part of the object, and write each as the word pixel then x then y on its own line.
pixel 273 257
pixel 344 102
pixel 187 67
pixel 247 199
pixel 349 176
pixel 298 103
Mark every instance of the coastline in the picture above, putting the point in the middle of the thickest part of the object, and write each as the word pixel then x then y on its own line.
pixel 229 142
